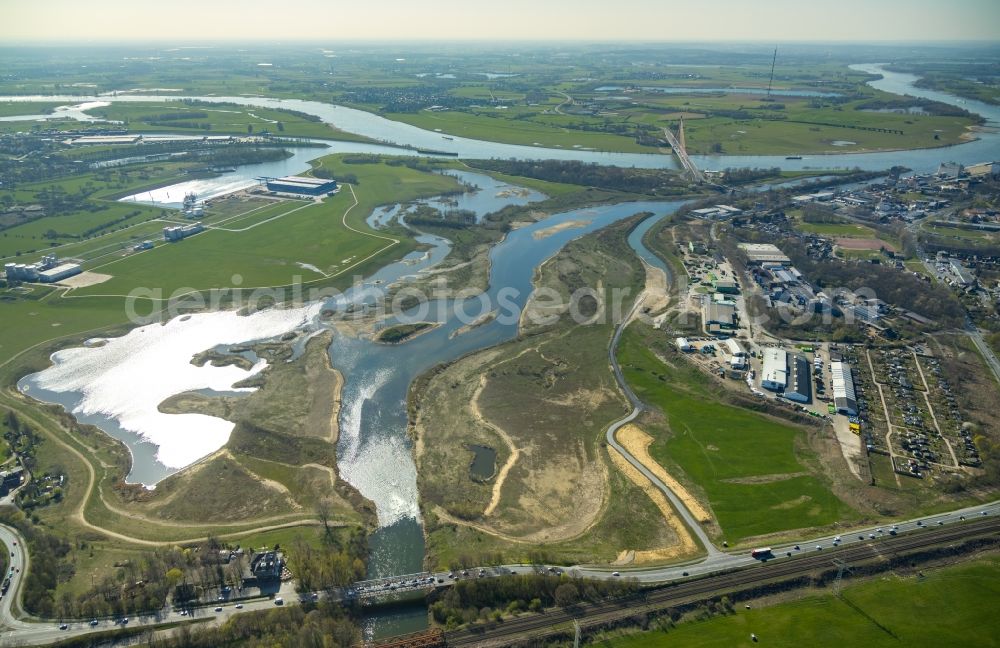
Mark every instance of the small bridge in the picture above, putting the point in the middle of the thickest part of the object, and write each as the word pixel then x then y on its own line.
pixel 376 587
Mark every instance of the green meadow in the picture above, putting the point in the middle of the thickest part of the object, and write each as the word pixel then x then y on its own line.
pixel 751 467
pixel 950 606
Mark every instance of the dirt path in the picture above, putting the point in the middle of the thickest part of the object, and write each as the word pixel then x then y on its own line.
pixel 79 513
pixel 655 295
pixel 515 452
pixel 637 443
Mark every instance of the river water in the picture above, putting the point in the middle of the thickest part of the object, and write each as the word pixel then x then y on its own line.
pixel 985 148
pixel 374 452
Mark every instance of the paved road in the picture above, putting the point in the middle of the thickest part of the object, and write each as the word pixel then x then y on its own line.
pixel 682 155
pixel 977 338
pixel 970 328
pixel 637 408
pixel 26 632
pixel 695 589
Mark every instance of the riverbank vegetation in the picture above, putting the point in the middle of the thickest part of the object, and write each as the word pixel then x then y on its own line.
pixel 543 402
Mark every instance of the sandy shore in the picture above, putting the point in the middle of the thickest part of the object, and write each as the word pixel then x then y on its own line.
pixel 546 232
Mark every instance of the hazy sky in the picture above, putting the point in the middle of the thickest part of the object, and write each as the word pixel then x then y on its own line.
pixel 667 20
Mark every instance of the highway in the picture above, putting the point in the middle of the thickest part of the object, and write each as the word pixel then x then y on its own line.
pixel 695 589
pixel 27 632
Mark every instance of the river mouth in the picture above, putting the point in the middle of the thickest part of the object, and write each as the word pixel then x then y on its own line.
pixel 374 453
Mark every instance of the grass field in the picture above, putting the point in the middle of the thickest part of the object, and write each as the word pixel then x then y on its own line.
pixel 752 468
pixel 500 127
pixel 951 606
pixel 142 117
pixel 314 235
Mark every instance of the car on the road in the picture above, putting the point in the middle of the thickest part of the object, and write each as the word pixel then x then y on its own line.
pixel 93 622
pixel 239 606
pixel 615 574
pixel 279 601
pixel 218 608
pixel 684 573
pixel 184 612
pixel 63 626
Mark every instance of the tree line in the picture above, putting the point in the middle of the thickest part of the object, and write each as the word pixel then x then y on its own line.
pixel 657 182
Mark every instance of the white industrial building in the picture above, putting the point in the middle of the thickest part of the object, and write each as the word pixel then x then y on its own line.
pixel 759 253
pixel 48 270
pixel 59 272
pixel 734 347
pixel 774 374
pixel 683 345
pixel 844 398
pixel 178 232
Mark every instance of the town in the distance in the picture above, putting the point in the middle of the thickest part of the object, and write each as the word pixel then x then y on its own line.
pixel 584 342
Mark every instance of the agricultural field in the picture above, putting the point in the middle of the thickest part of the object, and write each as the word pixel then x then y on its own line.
pixel 217 119
pixel 753 470
pixel 946 606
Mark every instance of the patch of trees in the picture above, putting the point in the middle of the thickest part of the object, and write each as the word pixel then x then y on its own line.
pixel 642 181
pixel 47 554
pixel 926 105
pixel 425 215
pixel 164 118
pixel 402 332
pixel 747 175
pixel 326 625
pixel 901 289
pixel 238 155
pixel 337 562
pixel 183 124
pixel 489 598
pixel 813 213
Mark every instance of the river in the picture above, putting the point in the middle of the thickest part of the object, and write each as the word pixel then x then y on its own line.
pixel 985 148
pixel 374 452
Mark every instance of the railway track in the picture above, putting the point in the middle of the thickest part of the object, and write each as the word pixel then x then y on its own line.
pixel 688 591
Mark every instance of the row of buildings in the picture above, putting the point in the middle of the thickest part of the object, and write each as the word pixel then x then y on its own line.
pixel 48 270
pixel 788 374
